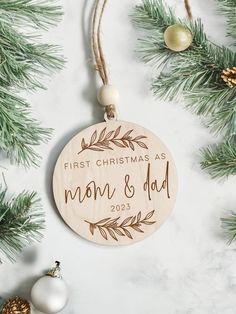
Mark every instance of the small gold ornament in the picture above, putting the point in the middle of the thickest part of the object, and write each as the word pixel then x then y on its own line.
pixel 16 305
pixel 228 75
pixel 178 37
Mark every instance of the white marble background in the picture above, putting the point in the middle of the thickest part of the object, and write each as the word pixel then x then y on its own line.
pixel 186 266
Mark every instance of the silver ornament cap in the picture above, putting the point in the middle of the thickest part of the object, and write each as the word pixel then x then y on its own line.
pixel 55 271
pixel 50 293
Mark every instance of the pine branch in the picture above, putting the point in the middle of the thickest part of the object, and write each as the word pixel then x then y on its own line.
pixel 190 72
pixel 18 131
pixel 23 63
pixel 228 7
pixel 220 160
pixel 194 74
pixel 40 13
pixel 154 15
pixel 21 222
pixel 229 226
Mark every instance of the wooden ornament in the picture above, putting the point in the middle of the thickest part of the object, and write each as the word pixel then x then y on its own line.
pixel 115 183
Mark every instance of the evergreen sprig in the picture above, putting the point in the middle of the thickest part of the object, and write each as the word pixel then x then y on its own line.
pixel 220 160
pixel 194 74
pixel 228 7
pixel 23 63
pixel 34 13
pixel 229 226
pixel 19 132
pixel 21 222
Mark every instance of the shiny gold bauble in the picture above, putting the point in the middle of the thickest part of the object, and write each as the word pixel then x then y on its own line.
pixel 16 305
pixel 178 37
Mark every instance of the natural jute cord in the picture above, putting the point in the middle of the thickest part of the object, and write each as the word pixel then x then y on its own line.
pixel 188 9
pixel 100 64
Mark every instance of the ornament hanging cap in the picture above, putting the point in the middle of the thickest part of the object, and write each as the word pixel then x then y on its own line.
pixel 55 271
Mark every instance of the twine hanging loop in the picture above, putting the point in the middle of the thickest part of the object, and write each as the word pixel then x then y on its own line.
pixel 100 64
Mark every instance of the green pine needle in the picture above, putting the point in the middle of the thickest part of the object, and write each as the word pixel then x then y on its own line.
pixel 229 226
pixel 39 13
pixel 228 7
pixel 153 15
pixel 194 74
pixel 24 61
pixel 21 222
pixel 19 133
pixel 220 160
pixel 189 72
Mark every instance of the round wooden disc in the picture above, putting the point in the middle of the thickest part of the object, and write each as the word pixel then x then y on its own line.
pixel 115 183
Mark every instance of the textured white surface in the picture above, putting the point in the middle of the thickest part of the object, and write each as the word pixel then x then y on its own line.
pixel 185 267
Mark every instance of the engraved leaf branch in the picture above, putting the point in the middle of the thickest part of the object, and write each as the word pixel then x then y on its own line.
pixel 112 227
pixel 104 140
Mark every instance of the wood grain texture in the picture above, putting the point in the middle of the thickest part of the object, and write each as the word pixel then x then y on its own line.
pixel 115 183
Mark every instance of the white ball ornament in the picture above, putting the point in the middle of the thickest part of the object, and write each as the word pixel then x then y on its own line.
pixel 108 95
pixel 50 294
pixel 178 37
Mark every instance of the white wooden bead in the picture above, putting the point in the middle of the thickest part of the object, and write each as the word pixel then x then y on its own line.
pixel 108 95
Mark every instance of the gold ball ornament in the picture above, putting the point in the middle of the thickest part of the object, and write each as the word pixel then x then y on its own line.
pixel 16 305
pixel 178 37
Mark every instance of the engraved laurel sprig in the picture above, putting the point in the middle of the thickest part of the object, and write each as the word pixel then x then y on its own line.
pixel 104 140
pixel 112 227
